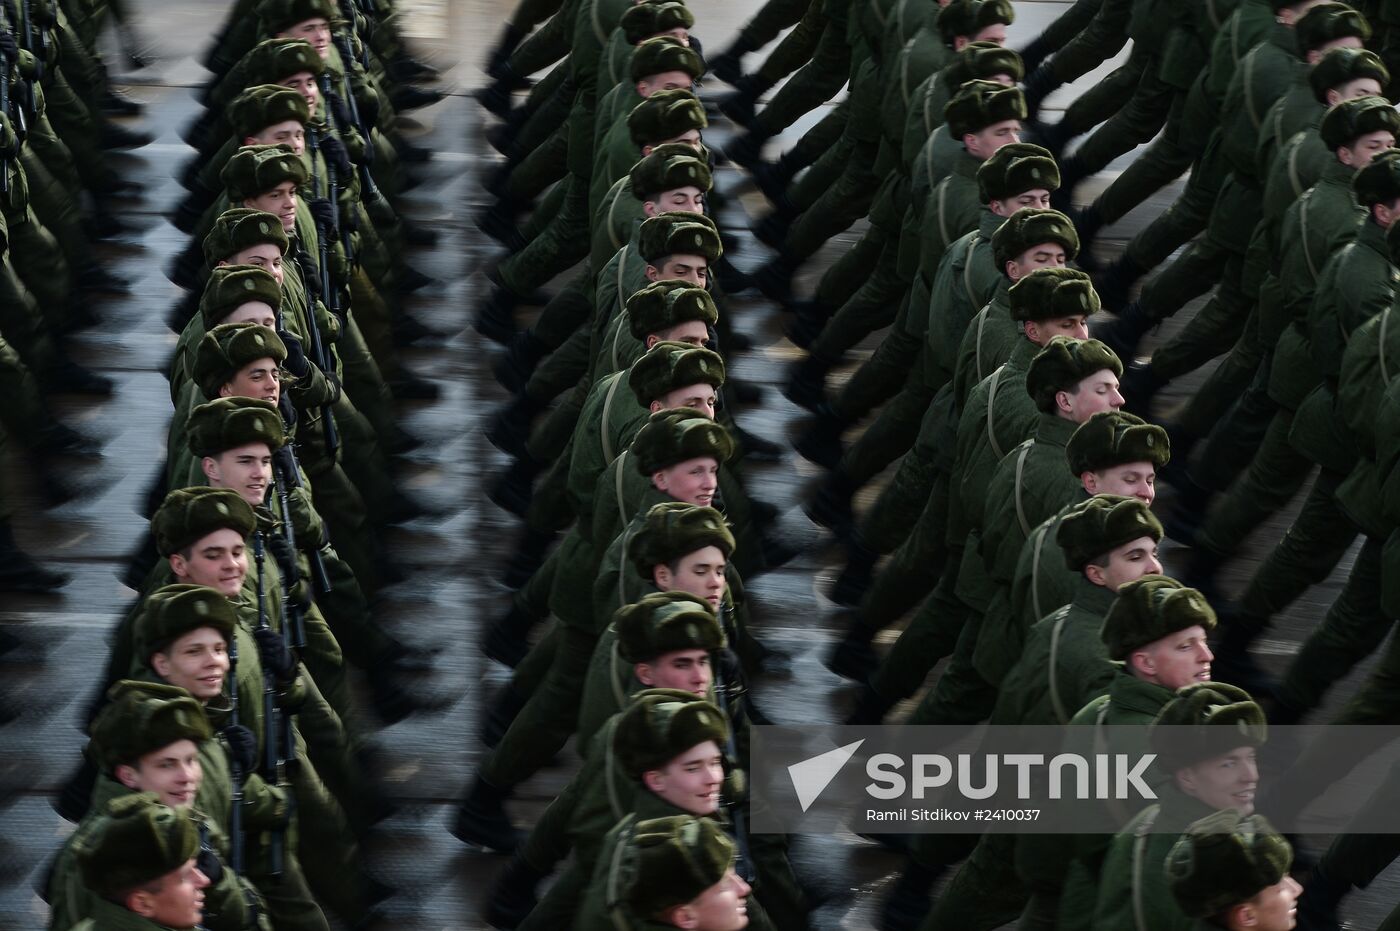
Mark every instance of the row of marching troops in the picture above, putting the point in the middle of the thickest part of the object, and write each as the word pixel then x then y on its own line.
pixel 227 781
pixel 1016 440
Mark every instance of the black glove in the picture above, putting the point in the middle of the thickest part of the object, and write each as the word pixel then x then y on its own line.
pixel 209 864
pixel 284 464
pixel 9 48
pixel 334 151
pixel 275 656
pixel 286 558
pixel 1035 53
pixel 324 213
pixel 340 111
pixel 1038 85
pixel 242 750
pixel 310 278
pixel 296 356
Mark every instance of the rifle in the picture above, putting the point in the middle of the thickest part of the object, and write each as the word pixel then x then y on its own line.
pixel 342 44
pixel 35 44
pixel 744 863
pixel 235 817
pixel 5 67
pixel 272 721
pixel 319 357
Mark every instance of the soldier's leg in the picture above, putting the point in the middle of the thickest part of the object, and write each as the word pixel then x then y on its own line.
pixel 1185 218
pixel 1141 118
pixel 546 164
pixel 1274 477
pixel 770 20
pixel 873 307
pixel 898 515
pixel 55 207
pixel 326 848
pixel 548 440
pixel 39 261
pixel 566 312
pixel 1161 163
pixel 560 902
pixel 890 436
pixel 1233 408
pixel 544 213
pixel 813 85
pixel 842 278
pixel 363 380
pixel 961 695
pixel 563 373
pixel 563 243
pixel 809 187
pixel 985 893
pixel 1212 331
pixel 375 320
pixel 545 45
pixel 777 888
pixel 76 126
pixel 1102 101
pixel 934 632
pixel 551 111
pixel 343 509
pixel 889 368
pixel 817 140
pixel 548 718
pixel 1354 627
pixel 362 458
pixel 22 322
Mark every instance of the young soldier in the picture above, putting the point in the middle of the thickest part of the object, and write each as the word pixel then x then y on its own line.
pixel 1230 871
pixel 141 865
pixel 156 739
pixel 682 876
pixel 1206 738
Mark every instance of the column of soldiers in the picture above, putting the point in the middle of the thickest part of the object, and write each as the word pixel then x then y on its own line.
pixel 227 781
pixel 1014 534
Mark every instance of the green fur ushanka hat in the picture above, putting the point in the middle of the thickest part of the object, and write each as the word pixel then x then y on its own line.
pixel 665 622
pixel 135 841
pixel 661 724
pixel 1149 609
pixel 673 529
pixel 1102 524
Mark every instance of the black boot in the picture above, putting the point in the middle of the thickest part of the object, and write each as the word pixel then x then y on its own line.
pixel 806 384
pixel 739 105
pixel 508 704
pixel 1318 903
pixel 1189 508
pixel 1139 386
pixel 509 430
pixel 20 573
pixel 529 556
pixel 775 278
pixel 1115 283
pixel 1123 332
pixel 1088 221
pixel 507 640
pixel 855 580
pixel 407 97
pixel 910 899
pixel 746 150
pixel 830 507
pixel 853 657
pixel 515 488
pixel 755 448
pixel 392 702
pixel 58 439
pixel 772 229
pixel 68 377
pixel 1039 84
pixel 772 178
pixel 1233 662
pixel 514 896
pixel 728 65
pixel 870 709
pixel 114 103
pixel 481 820
pixel 821 441
pixel 733 281
pixel 513 367
pixel 808 320
pixel 495 317
pixel 112 136
pixel 511 37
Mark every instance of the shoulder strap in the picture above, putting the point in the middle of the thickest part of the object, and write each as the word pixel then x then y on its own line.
pixel 1294 181
pixel 991 406
pixel 977 344
pixel 598 31
pixel 943 214
pixel 1056 701
pixel 1385 325
pixel 1303 237
pixel 604 434
pixel 1020 501
pixel 1036 549
pixel 972 242
pixel 619 323
pixel 1144 830
pixel 1101 747
pixel 618 689
pixel 612 210
pixel 621 271
pixel 1249 104
pixel 928 101
pixel 618 464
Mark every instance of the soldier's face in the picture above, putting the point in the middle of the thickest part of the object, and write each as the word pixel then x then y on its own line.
pixel 664 81
pixel 687 670
pixel 694 270
pixel 1176 660
pixel 1131 480
pixel 1041 332
pixel 722 907
pixel 1274 908
pixel 690 137
pixel 1042 255
pixel 304 83
pixel 316 31
pixel 196 662
pixel 1037 198
pixel 693 332
pixel 1097 393
pixel 245 469
pixel 176 900
pixel 689 199
pixel 693 481
pixel 681 34
pixel 264 255
pixel 700 573
pixel 1126 563
pixel 288 132
pixel 696 397
pixel 254 312
pixel 996 33
pixel 219 561
pixel 1364 149
pixel 1225 781
pixel 984 143
pixel 691 781
pixel 281 202
pixel 260 378
pixel 1358 87
pixel 172 772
